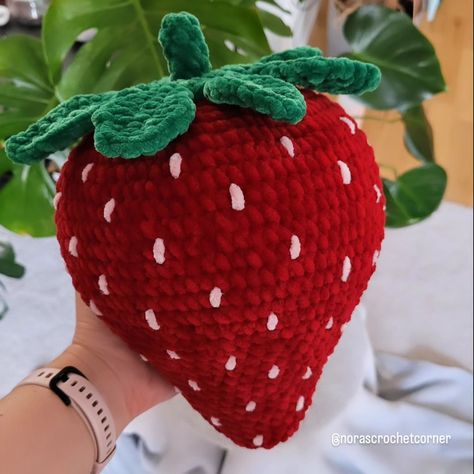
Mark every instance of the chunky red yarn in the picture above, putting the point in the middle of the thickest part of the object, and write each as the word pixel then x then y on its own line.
pixel 235 269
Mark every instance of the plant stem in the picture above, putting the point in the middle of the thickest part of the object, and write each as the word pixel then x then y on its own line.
pixel 390 168
pixel 149 37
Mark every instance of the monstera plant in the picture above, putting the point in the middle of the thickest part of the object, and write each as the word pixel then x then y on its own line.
pixel 38 74
pixel 411 74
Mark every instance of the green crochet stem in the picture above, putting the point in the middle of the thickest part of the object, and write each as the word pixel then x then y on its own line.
pixel 184 46
pixel 143 119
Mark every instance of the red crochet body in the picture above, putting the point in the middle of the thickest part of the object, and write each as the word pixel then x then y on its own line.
pixel 246 303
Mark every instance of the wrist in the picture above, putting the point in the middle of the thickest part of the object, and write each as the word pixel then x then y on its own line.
pixel 101 375
pixel 39 433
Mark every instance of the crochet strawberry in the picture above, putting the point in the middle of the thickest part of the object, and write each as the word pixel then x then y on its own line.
pixel 233 232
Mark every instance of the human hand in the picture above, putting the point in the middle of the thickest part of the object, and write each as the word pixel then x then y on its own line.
pixel 129 385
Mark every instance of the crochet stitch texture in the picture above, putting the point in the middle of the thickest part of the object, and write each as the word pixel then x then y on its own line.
pixel 231 252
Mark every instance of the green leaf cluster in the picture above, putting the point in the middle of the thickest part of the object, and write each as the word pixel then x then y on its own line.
pixel 143 119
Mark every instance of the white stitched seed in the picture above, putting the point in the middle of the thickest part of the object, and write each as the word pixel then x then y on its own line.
pixel 307 374
pixel 159 251
pixel 93 307
pixel 215 297
pixel 151 319
pixel 143 358
pixel 251 406
pixel 231 363
pixel 295 247
pixel 85 171
pixel 272 322
pixel 330 323
pixel 173 355
pixel 258 440
pixel 56 199
pixel 103 285
pixel 237 197
pixel 215 421
pixel 108 209
pixel 375 257
pixel 300 403
pixel 72 247
pixel 175 165
pixel 349 123
pixel 273 372
pixel 377 193
pixel 345 172
pixel 346 269
pixel 288 144
pixel 194 385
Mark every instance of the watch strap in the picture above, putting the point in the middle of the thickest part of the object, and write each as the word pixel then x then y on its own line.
pixel 73 388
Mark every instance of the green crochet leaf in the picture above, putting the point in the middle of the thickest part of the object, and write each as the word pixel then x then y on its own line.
pixel 295 53
pixel 291 54
pixel 265 94
pixel 60 128
pixel 184 46
pixel 332 75
pixel 142 120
